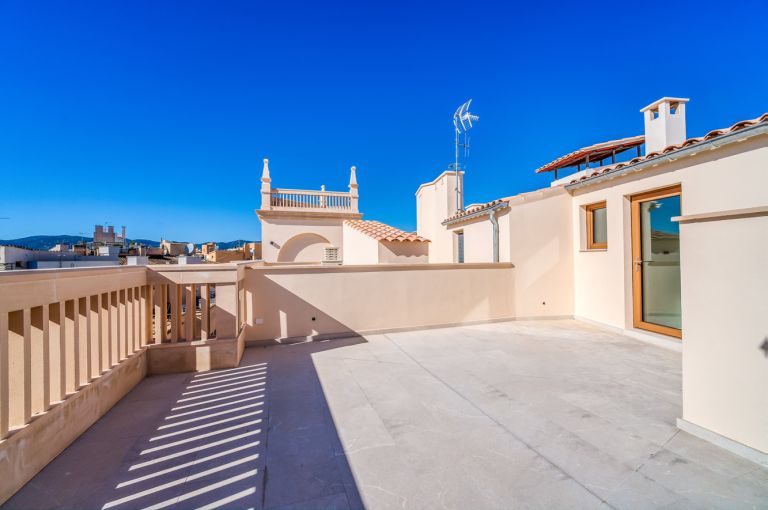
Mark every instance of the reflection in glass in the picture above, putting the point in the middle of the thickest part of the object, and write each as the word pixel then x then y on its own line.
pixel 600 226
pixel 661 261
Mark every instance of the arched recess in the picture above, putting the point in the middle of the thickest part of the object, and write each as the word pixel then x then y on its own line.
pixel 305 247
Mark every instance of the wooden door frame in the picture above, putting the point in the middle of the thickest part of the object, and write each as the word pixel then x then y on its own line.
pixel 637 273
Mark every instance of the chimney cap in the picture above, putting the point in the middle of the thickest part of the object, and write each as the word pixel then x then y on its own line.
pixel 665 99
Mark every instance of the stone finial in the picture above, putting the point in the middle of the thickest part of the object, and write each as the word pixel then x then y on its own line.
pixel 265 172
pixel 353 189
pixel 266 187
pixel 353 178
pixel 322 187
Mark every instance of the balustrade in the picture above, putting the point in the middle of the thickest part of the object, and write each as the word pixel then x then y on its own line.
pixel 313 200
pixel 62 329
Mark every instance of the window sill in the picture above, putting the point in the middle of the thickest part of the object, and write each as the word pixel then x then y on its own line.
pixel 588 250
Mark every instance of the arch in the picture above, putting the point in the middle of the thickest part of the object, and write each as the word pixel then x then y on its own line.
pixel 306 247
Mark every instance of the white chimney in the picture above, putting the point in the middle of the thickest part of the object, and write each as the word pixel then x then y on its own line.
pixel 664 123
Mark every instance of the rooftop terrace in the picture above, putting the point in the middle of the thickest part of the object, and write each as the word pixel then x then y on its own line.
pixel 524 414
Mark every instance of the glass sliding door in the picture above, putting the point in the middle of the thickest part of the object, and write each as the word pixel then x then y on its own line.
pixel 656 261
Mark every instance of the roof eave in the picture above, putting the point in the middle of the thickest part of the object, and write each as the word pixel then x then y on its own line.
pixel 483 212
pixel 714 143
pixel 577 156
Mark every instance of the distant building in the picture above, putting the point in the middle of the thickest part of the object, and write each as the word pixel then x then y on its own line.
pixel 136 260
pixel 252 250
pixel 248 251
pixel 222 256
pixel 108 237
pixel 14 257
pixel 173 248
pixel 108 250
pixel 189 259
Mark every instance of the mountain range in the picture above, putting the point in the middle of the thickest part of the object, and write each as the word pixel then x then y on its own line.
pixel 48 242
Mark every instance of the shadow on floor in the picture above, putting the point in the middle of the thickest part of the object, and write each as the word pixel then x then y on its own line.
pixel 256 436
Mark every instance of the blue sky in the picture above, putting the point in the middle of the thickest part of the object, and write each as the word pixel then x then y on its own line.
pixel 157 114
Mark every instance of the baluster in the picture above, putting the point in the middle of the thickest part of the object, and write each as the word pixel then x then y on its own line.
pixel 20 408
pixel 145 312
pixel 175 311
pixel 136 319
pixel 189 313
pixel 94 344
pixel 105 351
pixel 5 383
pixel 161 313
pixel 196 334
pixel 37 347
pixel 128 321
pixel 82 352
pixel 114 323
pixel 58 334
pixel 205 311
pixel 71 346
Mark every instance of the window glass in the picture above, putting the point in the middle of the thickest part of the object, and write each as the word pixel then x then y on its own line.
pixel 660 247
pixel 600 226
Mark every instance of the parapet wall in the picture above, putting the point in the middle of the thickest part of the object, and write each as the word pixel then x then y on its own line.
pixel 298 302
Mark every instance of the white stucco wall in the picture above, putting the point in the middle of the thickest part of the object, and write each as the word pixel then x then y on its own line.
pixel 724 273
pixel 725 320
pixel 359 249
pixel 723 280
pixel 436 201
pixel 540 247
pixel 710 181
pixel 301 301
pixel 281 230
pixel 534 235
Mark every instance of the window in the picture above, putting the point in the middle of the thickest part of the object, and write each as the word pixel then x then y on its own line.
pixel 597 226
pixel 459 245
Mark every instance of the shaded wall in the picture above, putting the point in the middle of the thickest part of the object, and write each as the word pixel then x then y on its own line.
pixel 307 301
pixel 403 252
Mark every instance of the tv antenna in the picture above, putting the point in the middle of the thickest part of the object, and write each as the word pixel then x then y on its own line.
pixel 462 123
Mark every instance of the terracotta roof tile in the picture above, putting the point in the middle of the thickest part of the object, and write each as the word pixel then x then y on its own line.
pixel 383 232
pixel 672 148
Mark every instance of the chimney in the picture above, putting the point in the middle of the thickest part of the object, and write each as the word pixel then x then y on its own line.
pixel 664 123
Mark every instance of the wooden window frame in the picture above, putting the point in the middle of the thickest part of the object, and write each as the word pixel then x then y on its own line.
pixel 589 210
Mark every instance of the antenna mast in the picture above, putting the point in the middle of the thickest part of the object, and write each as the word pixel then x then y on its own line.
pixel 462 123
